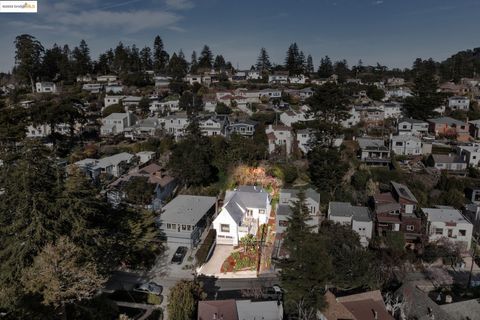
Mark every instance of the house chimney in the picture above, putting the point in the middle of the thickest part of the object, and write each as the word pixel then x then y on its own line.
pixel 375 314
pixel 214 316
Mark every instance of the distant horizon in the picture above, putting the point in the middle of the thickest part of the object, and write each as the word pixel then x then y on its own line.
pixel 389 32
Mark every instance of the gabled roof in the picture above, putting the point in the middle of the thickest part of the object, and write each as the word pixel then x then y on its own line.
pixel 446 120
pixel 237 201
pixel 309 193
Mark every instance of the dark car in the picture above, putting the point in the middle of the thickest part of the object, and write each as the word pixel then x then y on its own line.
pixel 179 255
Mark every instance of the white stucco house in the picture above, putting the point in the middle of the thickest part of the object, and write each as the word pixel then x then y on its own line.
pixel 471 154
pixel 412 127
pixel 245 209
pixel 107 78
pixel 406 145
pixel 111 100
pixel 449 224
pixel 176 124
pixel 353 119
pixel 291 116
pixel 356 217
pixel 279 137
pixel 116 123
pixel 459 103
pixel 45 87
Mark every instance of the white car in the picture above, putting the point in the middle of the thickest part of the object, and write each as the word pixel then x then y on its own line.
pixel 149 287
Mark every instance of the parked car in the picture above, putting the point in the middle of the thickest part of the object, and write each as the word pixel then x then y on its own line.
pixel 179 255
pixel 272 293
pixel 149 287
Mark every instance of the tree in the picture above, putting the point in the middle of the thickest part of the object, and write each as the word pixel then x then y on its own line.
pixel 12 124
pixel 51 67
pixel 193 63
pixel 326 169
pixel 190 102
pixel 61 275
pixel 309 68
pixel 81 59
pixel 263 61
pixel 139 191
pixel 160 56
pixel 425 97
pixel 325 69
pixel 177 67
pixel 28 57
pixel 146 58
pixel 183 300
pixel 329 106
pixel 219 64
pixel 206 58
pixel 295 60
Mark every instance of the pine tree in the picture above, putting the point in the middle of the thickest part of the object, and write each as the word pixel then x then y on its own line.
pixel 219 64
pixel 293 61
pixel 325 69
pixel 146 58
pixel 206 58
pixel 193 63
pixel 28 55
pixel 310 69
pixel 160 56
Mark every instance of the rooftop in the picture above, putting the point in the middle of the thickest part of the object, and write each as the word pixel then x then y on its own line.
pixel 186 209
pixel 345 209
pixel 444 215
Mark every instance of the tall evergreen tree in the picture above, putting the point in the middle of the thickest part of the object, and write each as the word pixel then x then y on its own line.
pixel 146 58
pixel 194 62
pixel 263 61
pixel 425 96
pixel 177 66
pixel 310 69
pixel 206 58
pixel 160 56
pixel 325 69
pixel 294 61
pixel 219 64
pixel 81 59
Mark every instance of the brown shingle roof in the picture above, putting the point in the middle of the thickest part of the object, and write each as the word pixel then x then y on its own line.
pixel 220 308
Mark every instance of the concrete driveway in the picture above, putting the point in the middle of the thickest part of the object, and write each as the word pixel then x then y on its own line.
pixel 220 254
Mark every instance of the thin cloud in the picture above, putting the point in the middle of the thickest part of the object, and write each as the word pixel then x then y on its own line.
pixel 377 2
pixel 180 4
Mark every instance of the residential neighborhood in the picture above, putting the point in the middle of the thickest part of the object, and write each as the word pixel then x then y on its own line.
pixel 143 181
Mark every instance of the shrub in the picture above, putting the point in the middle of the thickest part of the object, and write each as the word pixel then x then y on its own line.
pixel 202 253
pixel 154 299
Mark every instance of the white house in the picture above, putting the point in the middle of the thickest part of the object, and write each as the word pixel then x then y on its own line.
pixel 373 151
pixel 107 78
pixel 290 117
pixel 114 165
pixel 304 138
pixel 254 75
pixel 449 162
pixel 399 92
pixel 111 100
pixel 45 87
pixel 392 110
pixel 459 103
pixel 84 78
pixel 280 137
pixel 287 198
pixel 280 77
pixel 358 218
pixel 406 145
pixel 143 128
pixel 92 87
pixel 114 88
pixel 194 78
pixel 244 210
pixel 165 106
pixel 270 93
pixel 116 123
pixel 448 224
pixel 243 127
pixel 213 126
pixel 176 124
pixel 412 127
pixel 299 79
pixel 44 130
pixel 471 154
pixel 162 81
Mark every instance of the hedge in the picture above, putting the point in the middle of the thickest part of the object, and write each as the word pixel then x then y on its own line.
pixel 202 253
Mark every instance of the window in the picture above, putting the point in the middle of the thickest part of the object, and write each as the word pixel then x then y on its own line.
pixel 189 228
pixel 174 226
pixel 225 227
pixel 169 226
pixel 462 233
pixel 410 228
pixel 398 143
pixel 283 223
pixel 439 231
pixel 249 213
pixel 261 211
pixel 184 227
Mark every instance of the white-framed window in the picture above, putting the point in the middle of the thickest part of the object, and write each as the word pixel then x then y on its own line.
pixel 439 231
pixel 410 228
pixel 225 227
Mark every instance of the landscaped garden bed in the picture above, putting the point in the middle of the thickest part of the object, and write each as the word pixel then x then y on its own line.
pixel 240 261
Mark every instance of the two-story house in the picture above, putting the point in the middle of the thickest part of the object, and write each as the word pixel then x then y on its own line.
pixel 114 165
pixel 459 103
pixel 116 123
pixel 448 224
pixel 412 127
pixel 243 127
pixel 471 154
pixel 214 125
pixel 287 198
pixel 45 87
pixel 356 217
pixel 279 138
pixel 176 124
pixel 245 209
pixel 449 127
pixel 373 151
pixel 395 211
pixel 279 77
pixel 406 145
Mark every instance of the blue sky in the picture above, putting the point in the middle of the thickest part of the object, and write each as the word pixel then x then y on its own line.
pixel 392 32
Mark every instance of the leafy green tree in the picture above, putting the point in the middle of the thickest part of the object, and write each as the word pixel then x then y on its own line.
pixel 375 93
pixel 328 106
pixel 325 69
pixel 190 102
pixel 183 300
pixel 139 191
pixel 114 108
pixel 12 124
pixel 28 56
pixel 326 169
pixel 222 108
pixel 60 274
pixel 341 69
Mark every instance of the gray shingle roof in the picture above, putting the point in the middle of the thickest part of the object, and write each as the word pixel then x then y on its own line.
pixel 345 209
pixel 185 209
pixel 309 193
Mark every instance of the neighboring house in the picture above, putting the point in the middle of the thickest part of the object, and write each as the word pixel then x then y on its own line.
pixel 92 87
pixel 406 145
pixel 449 127
pixel 164 184
pixel 362 306
pixel 392 110
pixel 239 310
pixel 278 77
pixel 290 117
pixel 111 100
pixel 371 115
pixel 449 162
pixel 395 211
pixel 298 79
pixel 143 128
pixel 168 105
pixel 288 197
pixel 194 78
pixel 356 217
pixel 418 305
pixel 116 123
pixel 243 127
pixel 397 93
pixel 279 137
pixel 114 165
pixel 474 128
pixel 471 154
pixel 254 75
pixel 162 81
pixel 131 101
pixel 44 130
pixel 184 219
pixel 374 151
pixel 270 93
pixel 448 224
pixel 469 309
pixel 176 124
pixel 395 82
pixel 45 87
pixel 84 78
pixel 412 127
pixel 107 78
pixel 304 139
pixel 459 103
pixel 452 88
pixel 245 209
pixel 214 125
pixel 114 88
